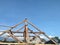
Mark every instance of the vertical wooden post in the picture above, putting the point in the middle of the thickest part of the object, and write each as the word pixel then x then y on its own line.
pixel 26 35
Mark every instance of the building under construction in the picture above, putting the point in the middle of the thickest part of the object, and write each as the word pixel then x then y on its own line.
pixel 26 34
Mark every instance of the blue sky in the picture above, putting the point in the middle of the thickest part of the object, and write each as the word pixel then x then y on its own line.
pixel 43 13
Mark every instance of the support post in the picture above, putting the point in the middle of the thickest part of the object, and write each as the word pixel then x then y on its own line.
pixel 26 35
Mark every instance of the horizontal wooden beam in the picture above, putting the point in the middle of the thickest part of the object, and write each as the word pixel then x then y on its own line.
pixel 21 36
pixel 21 32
